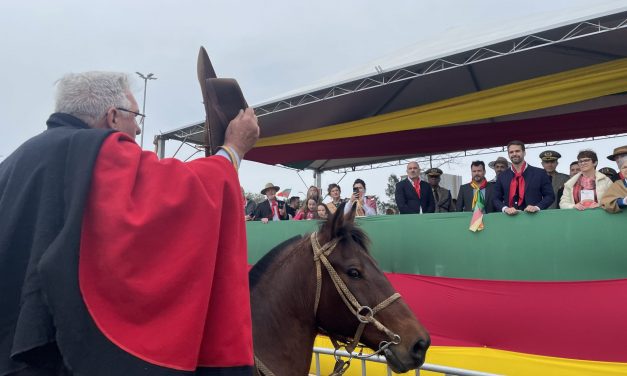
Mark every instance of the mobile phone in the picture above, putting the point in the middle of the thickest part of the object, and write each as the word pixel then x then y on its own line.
pixel 355 190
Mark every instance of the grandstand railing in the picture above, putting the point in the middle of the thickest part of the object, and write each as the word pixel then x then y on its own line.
pixel 449 371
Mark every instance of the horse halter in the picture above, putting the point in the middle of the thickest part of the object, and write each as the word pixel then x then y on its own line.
pixel 363 313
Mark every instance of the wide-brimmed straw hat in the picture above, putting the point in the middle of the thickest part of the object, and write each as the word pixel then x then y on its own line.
pixel 499 160
pixel 618 151
pixel 268 186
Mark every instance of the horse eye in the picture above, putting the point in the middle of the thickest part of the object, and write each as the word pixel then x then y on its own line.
pixel 354 273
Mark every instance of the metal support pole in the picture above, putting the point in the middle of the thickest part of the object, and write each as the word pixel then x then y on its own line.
pixel 147 77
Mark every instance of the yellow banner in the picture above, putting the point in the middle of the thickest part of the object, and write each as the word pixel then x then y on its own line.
pixel 543 92
pixel 485 360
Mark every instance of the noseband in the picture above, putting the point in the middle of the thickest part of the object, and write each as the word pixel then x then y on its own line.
pixel 363 313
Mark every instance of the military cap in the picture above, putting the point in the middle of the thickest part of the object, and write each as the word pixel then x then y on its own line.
pixel 434 172
pixel 550 155
pixel 608 171
pixel 617 152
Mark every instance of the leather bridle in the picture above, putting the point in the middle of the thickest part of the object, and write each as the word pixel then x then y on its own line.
pixel 363 313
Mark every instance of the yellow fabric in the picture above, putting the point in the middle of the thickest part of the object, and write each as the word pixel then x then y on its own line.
pixel 485 360
pixel 548 91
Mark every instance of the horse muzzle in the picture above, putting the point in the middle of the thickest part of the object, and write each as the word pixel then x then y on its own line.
pixel 402 360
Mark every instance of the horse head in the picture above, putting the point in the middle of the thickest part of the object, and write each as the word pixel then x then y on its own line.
pixel 371 312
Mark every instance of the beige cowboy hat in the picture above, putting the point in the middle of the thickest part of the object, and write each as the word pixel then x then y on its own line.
pixel 268 186
pixel 618 151
pixel 499 160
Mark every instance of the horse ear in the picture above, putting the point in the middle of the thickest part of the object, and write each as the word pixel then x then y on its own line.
pixel 340 219
pixel 350 217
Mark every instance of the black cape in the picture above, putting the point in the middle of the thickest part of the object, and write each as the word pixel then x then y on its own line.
pixel 44 324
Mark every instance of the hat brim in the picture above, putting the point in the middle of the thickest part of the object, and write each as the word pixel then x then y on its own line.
pixel 491 164
pixel 276 188
pixel 614 156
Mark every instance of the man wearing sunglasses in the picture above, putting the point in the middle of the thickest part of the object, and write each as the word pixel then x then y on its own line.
pixel 113 262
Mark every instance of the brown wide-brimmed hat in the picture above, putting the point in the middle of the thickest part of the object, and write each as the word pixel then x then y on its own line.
pixel 617 152
pixel 501 160
pixel 268 186
pixel 223 99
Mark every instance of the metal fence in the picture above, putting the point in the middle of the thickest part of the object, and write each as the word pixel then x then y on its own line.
pixel 448 371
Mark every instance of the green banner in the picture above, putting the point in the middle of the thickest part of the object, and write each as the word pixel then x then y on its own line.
pixel 552 245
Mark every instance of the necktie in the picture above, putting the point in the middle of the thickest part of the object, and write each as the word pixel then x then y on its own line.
pixel 436 195
pixel 417 187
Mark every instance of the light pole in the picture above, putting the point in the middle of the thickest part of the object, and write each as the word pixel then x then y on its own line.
pixel 147 77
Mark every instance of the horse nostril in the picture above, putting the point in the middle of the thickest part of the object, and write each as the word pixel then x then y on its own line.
pixel 419 348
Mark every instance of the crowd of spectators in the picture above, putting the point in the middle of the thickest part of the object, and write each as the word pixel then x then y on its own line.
pixel 517 187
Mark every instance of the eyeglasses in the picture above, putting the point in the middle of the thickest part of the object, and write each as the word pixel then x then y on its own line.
pixel 141 116
pixel 584 160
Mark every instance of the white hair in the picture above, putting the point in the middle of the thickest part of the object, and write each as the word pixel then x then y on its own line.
pixel 621 160
pixel 89 95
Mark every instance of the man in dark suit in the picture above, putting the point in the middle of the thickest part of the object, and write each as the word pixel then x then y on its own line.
pixel 270 209
pixel 522 187
pixel 479 185
pixel 413 195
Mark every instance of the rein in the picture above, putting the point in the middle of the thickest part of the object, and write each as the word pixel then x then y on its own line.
pixel 363 313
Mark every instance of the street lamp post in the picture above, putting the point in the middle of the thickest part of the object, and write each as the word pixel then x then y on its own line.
pixel 147 77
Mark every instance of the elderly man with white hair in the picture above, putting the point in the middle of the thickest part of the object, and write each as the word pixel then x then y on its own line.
pixel 115 262
pixel 615 199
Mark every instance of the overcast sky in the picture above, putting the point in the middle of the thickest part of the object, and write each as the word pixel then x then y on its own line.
pixel 271 47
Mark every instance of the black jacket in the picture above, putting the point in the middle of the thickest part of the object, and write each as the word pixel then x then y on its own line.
pixel 264 210
pixel 538 189
pixel 464 198
pixel 407 199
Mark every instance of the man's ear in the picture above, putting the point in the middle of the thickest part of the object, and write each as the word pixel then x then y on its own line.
pixel 111 118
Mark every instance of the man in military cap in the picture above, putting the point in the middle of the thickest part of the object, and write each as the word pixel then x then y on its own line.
pixel 549 163
pixel 499 165
pixel 442 196
pixel 610 173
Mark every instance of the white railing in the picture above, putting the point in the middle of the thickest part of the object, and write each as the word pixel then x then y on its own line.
pixel 448 371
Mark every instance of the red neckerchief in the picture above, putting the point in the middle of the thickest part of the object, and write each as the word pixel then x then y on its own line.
pixel 275 208
pixel 517 183
pixel 416 184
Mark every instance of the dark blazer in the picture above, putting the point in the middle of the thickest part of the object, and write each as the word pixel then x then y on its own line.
pixel 264 210
pixel 407 199
pixel 464 198
pixel 538 189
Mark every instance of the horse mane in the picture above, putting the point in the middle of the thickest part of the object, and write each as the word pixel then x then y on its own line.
pixel 260 267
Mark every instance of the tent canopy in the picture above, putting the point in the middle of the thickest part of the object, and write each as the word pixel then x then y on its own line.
pixel 563 80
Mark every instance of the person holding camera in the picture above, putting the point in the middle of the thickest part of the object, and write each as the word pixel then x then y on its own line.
pixel 366 205
pixel 271 209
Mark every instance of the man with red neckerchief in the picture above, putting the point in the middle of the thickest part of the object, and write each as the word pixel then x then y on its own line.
pixel 412 195
pixel 522 187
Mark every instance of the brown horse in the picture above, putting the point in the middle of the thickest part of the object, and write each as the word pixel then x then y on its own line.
pixel 294 298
